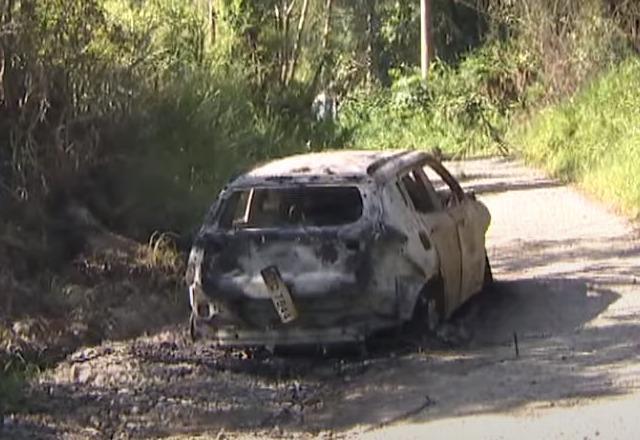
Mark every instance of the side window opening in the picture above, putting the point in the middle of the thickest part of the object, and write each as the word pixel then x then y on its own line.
pixel 441 188
pixel 418 193
pixel 230 208
pixel 447 189
pixel 404 198
pixel 421 176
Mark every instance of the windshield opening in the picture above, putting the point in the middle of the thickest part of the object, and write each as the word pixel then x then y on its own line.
pixel 290 207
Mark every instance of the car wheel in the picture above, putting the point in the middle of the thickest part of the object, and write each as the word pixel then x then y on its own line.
pixel 193 328
pixel 428 313
pixel 488 274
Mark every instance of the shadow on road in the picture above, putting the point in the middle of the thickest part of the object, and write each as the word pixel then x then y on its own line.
pixel 561 357
pixel 532 308
pixel 593 259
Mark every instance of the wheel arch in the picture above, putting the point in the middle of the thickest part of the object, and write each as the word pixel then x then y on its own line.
pixel 434 289
pixel 410 291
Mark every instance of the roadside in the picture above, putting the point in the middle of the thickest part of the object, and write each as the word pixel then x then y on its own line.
pixel 568 286
pixel 593 138
pixel 569 278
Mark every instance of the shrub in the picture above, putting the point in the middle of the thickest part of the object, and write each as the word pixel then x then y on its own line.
pixel 462 109
pixel 593 138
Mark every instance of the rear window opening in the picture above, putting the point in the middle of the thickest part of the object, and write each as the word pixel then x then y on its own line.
pixel 291 207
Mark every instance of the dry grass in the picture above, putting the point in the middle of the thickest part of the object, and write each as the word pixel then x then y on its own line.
pixel 161 254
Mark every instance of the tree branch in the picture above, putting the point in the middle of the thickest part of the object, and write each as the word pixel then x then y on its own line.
pixel 295 53
pixel 325 44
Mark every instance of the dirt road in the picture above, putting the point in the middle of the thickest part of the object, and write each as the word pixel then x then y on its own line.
pixel 568 288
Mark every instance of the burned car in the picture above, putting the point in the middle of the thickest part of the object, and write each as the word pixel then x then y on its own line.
pixel 331 247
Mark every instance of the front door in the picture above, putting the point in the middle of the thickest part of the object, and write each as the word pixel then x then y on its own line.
pixel 471 229
pixel 471 222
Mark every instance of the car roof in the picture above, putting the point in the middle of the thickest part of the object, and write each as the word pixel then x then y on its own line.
pixel 329 166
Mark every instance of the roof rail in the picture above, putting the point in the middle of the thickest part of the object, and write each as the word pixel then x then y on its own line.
pixel 376 165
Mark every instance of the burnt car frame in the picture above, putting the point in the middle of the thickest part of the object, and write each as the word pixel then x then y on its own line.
pixel 332 247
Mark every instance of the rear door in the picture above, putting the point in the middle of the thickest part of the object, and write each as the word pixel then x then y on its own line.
pixel 440 229
pixel 402 216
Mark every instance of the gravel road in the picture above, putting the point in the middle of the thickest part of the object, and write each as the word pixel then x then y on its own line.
pixel 568 290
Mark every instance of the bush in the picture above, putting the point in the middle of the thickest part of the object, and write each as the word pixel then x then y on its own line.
pixel 593 138
pixel 126 106
pixel 183 145
pixel 570 41
pixel 462 109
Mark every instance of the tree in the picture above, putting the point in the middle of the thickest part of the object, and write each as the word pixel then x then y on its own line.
pixel 426 41
pixel 295 53
pixel 324 49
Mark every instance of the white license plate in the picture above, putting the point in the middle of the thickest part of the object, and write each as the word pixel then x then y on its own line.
pixel 280 294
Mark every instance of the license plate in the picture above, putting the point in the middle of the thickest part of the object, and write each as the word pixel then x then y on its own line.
pixel 280 294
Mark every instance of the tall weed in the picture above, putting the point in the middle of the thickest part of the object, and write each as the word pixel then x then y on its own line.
pixel 571 41
pixel 181 146
pixel 593 138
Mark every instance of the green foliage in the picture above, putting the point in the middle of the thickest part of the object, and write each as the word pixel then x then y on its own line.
pixel 462 109
pixel 143 109
pixel 190 139
pixel 109 101
pixel 593 138
pixel 61 77
pixel 570 41
pixel 11 390
pixel 14 371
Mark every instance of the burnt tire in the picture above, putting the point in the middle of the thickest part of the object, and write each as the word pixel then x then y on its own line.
pixel 193 328
pixel 428 312
pixel 487 283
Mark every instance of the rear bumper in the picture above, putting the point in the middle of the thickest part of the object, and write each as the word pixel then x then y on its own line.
pixel 333 319
pixel 235 337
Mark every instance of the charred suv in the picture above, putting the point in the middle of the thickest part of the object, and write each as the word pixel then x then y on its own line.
pixel 331 247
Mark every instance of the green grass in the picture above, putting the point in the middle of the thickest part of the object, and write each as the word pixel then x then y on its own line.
pixel 593 138
pixel 14 374
pixel 11 392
